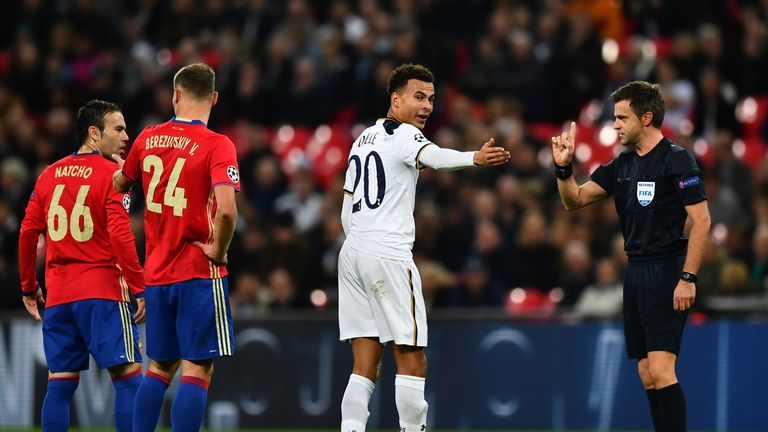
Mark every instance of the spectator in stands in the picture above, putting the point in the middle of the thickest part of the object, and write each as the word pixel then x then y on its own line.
pixel 602 299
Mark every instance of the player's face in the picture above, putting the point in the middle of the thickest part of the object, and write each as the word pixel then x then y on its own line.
pixel 414 103
pixel 628 125
pixel 113 137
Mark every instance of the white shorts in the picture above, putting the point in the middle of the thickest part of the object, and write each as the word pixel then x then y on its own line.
pixel 380 298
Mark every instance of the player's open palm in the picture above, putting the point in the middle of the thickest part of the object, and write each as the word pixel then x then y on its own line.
pixel 491 155
pixel 563 146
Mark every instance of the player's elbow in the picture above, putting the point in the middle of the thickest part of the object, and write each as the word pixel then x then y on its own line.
pixel 571 205
pixel 227 215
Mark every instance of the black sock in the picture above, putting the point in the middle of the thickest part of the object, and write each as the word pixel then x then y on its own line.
pixel 672 407
pixel 653 401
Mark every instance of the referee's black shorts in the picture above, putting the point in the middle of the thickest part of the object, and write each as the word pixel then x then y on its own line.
pixel 650 322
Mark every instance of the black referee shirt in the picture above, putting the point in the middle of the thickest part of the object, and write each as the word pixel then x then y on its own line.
pixel 650 193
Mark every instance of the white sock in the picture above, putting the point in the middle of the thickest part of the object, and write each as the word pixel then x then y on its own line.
pixel 354 404
pixel 409 398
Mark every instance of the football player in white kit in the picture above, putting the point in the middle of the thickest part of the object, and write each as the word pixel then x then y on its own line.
pixel 380 299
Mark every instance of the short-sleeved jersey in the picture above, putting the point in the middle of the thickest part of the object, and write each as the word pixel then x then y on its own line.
pixel 650 193
pixel 381 178
pixel 179 163
pixel 90 249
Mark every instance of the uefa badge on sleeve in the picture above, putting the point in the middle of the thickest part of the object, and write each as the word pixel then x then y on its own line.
pixel 127 202
pixel 233 174
pixel 645 192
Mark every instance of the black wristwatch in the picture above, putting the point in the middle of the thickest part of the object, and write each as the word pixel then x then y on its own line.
pixel 689 277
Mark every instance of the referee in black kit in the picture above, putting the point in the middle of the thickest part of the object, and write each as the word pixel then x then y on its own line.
pixel 655 185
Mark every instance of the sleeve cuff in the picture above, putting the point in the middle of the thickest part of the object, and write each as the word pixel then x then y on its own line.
pixel 31 293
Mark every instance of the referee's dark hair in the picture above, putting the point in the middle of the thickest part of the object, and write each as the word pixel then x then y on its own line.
pixel 407 71
pixel 92 114
pixel 643 97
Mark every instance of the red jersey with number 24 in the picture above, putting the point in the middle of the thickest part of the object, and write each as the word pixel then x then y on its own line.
pixel 179 163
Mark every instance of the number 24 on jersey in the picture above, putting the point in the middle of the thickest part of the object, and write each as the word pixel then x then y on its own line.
pixel 174 196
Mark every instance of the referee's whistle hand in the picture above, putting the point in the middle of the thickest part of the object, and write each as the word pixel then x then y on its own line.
pixel 684 296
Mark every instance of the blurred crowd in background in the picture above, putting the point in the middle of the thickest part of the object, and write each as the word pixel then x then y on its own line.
pixel 298 79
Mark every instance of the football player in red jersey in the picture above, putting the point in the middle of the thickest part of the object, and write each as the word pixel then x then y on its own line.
pixel 90 267
pixel 189 175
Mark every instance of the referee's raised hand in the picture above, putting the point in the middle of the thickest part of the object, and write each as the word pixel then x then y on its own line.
pixel 563 146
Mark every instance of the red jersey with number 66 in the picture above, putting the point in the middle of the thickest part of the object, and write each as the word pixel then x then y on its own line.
pixel 90 249
pixel 179 163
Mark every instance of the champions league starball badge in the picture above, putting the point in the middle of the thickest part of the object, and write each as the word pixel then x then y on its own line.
pixel 233 174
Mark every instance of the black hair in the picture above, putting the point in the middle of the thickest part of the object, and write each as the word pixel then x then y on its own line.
pixel 407 71
pixel 92 114
pixel 643 97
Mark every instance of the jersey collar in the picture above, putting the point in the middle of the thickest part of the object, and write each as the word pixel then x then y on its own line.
pixel 192 122
pixel 95 152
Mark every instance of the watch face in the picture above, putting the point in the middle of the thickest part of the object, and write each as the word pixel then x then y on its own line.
pixel 688 277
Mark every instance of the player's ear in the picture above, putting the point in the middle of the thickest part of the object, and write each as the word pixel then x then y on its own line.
pixel 215 98
pixel 176 96
pixel 94 133
pixel 394 99
pixel 647 119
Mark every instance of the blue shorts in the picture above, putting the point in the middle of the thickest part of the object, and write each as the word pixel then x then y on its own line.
pixel 103 328
pixel 189 320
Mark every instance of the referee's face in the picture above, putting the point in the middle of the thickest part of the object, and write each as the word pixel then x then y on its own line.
pixel 627 124
pixel 414 103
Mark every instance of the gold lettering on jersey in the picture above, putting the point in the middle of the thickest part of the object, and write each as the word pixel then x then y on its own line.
pixel 192 150
pixel 167 141
pixel 74 171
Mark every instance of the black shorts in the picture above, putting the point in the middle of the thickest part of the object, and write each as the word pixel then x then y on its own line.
pixel 650 322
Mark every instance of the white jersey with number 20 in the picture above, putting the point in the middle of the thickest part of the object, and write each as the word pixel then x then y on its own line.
pixel 381 178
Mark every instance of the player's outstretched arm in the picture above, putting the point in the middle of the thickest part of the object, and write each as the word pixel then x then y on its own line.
pixel 572 195
pixel 443 159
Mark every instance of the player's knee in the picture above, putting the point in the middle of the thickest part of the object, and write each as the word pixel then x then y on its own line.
pixel 413 363
pixel 661 374
pixel 644 373
pixel 127 369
